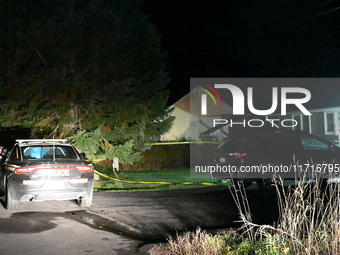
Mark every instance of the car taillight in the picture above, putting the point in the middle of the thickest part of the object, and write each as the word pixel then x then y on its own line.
pixel 84 168
pixel 32 169
pixel 24 170
pixel 237 154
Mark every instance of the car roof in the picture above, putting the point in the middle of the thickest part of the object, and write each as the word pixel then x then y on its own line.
pixel 269 134
pixel 250 137
pixel 25 142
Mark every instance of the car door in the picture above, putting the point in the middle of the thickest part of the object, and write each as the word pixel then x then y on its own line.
pixel 288 150
pixel 320 151
pixel 7 165
pixel 12 161
pixel 322 156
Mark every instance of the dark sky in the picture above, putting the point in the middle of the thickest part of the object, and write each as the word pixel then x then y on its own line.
pixel 247 38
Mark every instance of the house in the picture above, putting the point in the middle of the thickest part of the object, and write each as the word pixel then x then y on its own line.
pixel 189 124
pixel 324 122
pixel 324 107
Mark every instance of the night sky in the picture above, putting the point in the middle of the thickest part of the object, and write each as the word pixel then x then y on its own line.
pixel 247 38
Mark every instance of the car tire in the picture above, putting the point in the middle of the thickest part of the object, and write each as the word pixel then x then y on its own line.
pixel 85 202
pixel 11 204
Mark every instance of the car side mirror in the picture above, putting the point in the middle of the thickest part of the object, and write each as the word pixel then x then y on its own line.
pixel 334 148
pixel 83 154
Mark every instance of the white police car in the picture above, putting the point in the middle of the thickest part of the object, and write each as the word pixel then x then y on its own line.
pixel 45 169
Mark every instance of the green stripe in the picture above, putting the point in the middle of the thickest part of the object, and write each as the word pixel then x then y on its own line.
pixel 208 92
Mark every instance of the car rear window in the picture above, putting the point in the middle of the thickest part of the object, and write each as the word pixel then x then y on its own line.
pixel 48 152
pixel 266 143
pixel 234 145
pixel 310 143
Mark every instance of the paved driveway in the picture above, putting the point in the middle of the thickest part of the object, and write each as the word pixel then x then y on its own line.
pixel 122 222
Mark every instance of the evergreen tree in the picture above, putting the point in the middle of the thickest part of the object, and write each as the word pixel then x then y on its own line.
pixel 90 70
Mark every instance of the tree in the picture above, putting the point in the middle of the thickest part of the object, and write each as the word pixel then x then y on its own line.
pixel 80 69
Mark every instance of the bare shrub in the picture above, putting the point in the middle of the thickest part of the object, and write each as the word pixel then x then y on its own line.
pixel 311 217
pixel 197 243
pixel 309 223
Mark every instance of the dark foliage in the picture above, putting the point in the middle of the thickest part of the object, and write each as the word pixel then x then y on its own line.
pixel 84 68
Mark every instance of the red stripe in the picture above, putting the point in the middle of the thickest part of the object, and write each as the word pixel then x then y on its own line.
pixel 215 92
pixel 51 167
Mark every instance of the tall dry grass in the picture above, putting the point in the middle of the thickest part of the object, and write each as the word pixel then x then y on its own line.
pixel 309 219
pixel 309 223
pixel 196 243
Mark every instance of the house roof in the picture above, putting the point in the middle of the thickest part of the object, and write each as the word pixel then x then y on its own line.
pixel 325 94
pixel 191 103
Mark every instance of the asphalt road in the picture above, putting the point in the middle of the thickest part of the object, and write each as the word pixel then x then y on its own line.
pixel 123 222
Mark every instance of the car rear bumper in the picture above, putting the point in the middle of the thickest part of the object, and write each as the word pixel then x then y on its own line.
pixel 34 196
pixel 40 190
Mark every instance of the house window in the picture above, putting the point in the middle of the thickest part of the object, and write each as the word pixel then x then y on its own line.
pixel 330 125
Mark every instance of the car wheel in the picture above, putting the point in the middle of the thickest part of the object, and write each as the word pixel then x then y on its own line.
pixel 85 202
pixel 11 204
pixel 265 183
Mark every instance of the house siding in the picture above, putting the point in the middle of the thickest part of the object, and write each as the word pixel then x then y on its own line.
pixel 189 124
pixel 181 126
pixel 314 124
pixel 317 122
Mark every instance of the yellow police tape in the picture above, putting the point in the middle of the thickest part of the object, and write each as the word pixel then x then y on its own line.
pixel 164 183
pixel 171 143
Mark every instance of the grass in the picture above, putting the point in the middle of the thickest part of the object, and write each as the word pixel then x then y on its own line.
pixel 309 223
pixel 175 177
pixel 201 243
